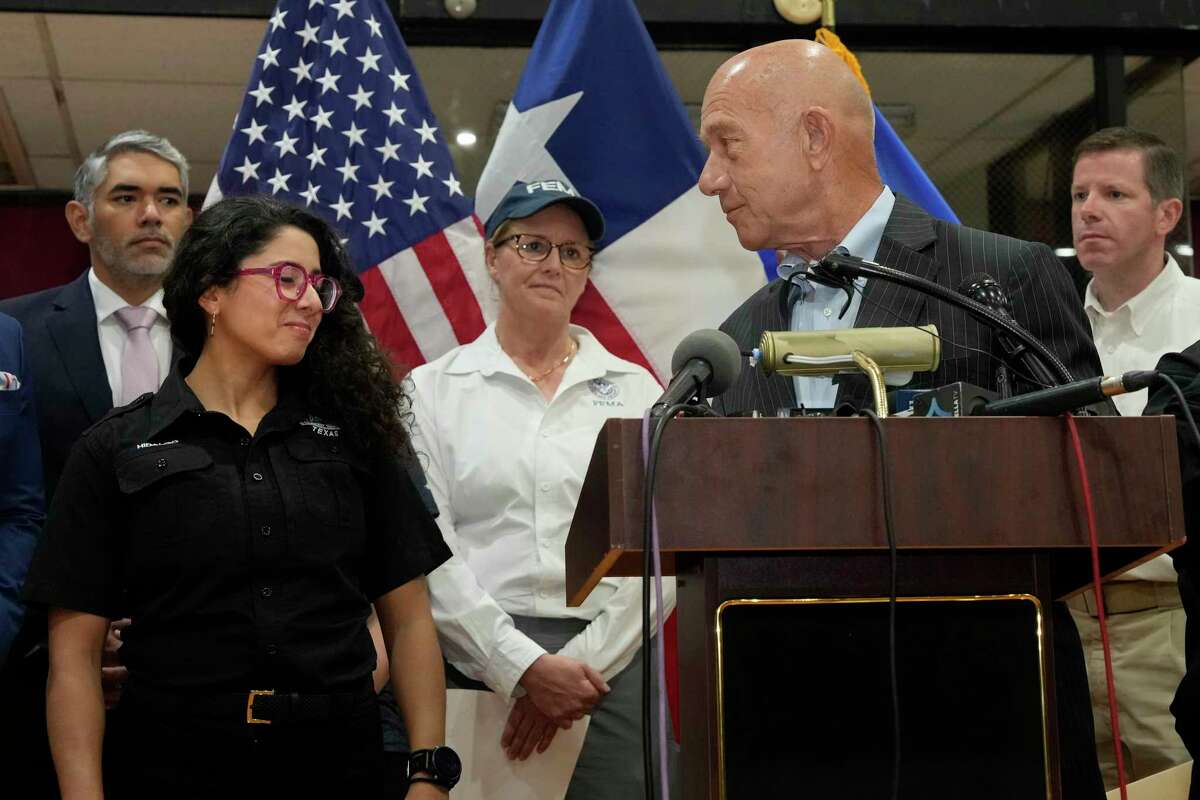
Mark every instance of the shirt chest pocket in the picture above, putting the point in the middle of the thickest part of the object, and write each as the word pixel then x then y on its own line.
pixel 330 481
pixel 173 493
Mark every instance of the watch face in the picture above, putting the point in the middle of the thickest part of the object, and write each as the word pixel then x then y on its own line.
pixel 447 764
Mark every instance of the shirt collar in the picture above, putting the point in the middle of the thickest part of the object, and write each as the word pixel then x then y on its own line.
pixel 485 356
pixel 109 302
pixel 862 240
pixel 175 399
pixel 1143 305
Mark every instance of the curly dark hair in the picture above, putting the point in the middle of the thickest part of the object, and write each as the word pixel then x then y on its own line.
pixel 344 375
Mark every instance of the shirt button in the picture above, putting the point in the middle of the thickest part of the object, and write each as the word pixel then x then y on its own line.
pixel 244 442
pixel 257 476
pixel 271 649
pixel 1112 348
pixel 265 591
pixel 265 530
pixel 545 487
pixel 161 463
pixel 335 449
pixel 545 434
pixel 828 312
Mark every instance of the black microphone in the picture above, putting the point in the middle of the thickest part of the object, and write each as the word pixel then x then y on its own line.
pixel 705 364
pixel 985 290
pixel 1054 401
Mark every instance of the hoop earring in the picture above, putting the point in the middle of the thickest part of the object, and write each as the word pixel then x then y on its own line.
pixel 212 325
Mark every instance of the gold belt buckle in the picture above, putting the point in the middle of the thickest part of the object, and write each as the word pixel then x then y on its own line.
pixel 250 718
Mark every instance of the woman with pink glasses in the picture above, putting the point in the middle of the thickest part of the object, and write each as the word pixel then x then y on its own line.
pixel 247 517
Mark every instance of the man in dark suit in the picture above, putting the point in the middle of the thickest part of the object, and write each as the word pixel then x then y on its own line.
pixel 790 132
pixel 93 344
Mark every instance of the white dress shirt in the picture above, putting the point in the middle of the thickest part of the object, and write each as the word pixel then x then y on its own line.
pixel 1162 318
pixel 506 469
pixel 113 335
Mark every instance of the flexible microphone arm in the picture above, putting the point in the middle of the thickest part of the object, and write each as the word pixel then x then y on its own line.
pixel 838 269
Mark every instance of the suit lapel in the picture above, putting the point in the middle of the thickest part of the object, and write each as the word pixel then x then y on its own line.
pixel 72 327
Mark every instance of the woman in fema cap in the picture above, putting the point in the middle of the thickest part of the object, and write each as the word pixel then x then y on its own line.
pixel 505 427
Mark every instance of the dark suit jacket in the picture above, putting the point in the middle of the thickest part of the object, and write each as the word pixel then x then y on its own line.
pixel 70 383
pixel 1038 286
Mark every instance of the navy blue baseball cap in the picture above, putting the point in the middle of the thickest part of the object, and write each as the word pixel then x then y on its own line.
pixel 526 199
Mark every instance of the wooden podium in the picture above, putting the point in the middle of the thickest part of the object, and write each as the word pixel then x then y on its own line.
pixel 776 515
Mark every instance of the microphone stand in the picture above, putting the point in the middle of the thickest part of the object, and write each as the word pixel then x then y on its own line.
pixel 841 269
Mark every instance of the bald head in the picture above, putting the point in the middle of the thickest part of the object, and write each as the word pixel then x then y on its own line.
pixel 790 76
pixel 790 132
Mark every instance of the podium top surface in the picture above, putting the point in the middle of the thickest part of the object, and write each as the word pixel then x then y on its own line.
pixel 796 485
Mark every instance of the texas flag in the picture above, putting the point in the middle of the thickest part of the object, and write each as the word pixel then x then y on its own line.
pixel 595 108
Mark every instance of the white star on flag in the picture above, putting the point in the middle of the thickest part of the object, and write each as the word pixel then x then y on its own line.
pixel 453 185
pixel 279 182
pixel 361 98
pixel 295 108
pixel 395 115
pixel 369 60
pixel 302 71
pixel 287 144
pixel 422 167
pixel 373 24
pixel 388 151
pixel 255 132
pixel 349 171
pixel 316 156
pixel 262 95
pixel 329 81
pixel 308 33
pixel 342 207
pixel 382 188
pixel 336 44
pixel 321 119
pixel 249 170
pixel 415 203
pixel 269 57
pixel 399 80
pixel 374 225
pixel 344 8
pixel 354 134
pixel 277 20
pixel 310 194
pixel 426 132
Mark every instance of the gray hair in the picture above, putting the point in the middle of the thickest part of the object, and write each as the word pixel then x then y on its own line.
pixel 94 169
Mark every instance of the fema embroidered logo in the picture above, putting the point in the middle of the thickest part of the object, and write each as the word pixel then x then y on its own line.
pixel 321 428
pixel 604 392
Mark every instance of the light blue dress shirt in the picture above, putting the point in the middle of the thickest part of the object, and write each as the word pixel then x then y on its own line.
pixel 820 305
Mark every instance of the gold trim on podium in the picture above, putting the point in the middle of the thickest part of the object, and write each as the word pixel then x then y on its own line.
pixel 792 601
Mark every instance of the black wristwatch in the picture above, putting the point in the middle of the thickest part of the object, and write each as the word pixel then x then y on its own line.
pixel 442 764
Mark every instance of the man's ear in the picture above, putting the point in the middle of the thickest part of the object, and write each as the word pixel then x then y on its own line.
pixel 817 125
pixel 1167 215
pixel 77 218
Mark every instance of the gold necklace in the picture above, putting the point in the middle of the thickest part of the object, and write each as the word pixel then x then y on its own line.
pixel 570 352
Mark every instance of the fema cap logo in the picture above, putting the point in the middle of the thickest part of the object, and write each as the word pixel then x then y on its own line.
pixel 604 389
pixel 549 186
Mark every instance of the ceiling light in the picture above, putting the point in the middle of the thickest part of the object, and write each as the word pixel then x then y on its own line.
pixel 1064 252
pixel 466 139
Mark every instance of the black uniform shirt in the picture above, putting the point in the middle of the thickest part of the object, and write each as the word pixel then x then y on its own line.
pixel 243 562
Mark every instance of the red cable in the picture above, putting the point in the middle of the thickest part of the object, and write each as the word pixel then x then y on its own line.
pixel 1097 589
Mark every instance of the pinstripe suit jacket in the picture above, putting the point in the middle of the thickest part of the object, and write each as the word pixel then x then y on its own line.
pixel 1036 282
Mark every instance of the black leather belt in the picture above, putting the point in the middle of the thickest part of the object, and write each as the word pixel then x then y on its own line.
pixel 257 706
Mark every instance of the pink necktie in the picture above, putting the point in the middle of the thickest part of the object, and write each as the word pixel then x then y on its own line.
pixel 139 362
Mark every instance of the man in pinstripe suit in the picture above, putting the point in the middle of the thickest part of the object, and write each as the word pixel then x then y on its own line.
pixel 790 132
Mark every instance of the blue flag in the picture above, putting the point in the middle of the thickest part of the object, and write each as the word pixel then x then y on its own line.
pixel 901 172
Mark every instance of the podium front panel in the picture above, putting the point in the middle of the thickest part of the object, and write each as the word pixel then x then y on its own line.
pixel 804 703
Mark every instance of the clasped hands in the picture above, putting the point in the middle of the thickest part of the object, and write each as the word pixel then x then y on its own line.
pixel 558 691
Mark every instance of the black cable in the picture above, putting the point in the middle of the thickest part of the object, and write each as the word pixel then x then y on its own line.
pixel 835 267
pixel 893 569
pixel 660 425
pixel 1017 370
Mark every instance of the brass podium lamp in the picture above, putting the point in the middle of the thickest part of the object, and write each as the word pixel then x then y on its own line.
pixel 874 351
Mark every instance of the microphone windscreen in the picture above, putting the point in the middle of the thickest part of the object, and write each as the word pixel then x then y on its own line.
pixel 716 348
pixel 983 289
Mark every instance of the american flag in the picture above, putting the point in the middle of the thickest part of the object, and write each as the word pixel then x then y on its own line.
pixel 335 119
